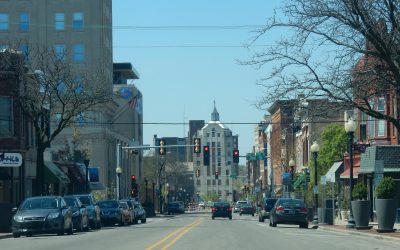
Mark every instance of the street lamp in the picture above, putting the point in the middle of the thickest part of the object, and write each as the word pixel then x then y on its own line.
pixel 118 170
pixel 314 150
pixel 86 162
pixel 292 164
pixel 350 127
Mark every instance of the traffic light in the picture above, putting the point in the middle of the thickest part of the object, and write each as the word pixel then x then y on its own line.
pixel 235 156
pixel 197 173
pixel 197 145
pixel 216 175
pixel 133 186
pixel 206 156
pixel 161 149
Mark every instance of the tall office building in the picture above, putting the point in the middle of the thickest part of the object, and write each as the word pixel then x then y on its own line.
pixel 221 143
pixel 82 31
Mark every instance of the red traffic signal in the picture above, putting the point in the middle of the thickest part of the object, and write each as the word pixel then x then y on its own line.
pixel 235 156
pixel 133 177
pixel 206 155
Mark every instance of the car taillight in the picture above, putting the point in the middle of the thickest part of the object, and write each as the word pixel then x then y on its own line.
pixel 280 209
pixel 303 210
pixel 214 209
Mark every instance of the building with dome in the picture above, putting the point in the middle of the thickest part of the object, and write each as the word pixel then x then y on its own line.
pixel 221 143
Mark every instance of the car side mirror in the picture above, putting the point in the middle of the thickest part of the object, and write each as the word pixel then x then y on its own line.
pixel 14 209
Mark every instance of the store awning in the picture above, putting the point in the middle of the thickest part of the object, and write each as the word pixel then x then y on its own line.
pixel 299 181
pixel 334 172
pixel 53 174
pixel 346 173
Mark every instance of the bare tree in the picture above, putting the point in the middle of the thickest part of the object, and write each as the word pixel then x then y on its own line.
pixel 346 51
pixel 53 92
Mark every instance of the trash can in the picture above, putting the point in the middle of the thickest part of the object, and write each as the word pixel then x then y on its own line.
pixel 325 216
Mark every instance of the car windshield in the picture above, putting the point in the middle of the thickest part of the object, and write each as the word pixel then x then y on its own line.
pixel 124 205
pixel 85 200
pixel 108 204
pixel 72 202
pixel 291 203
pixel 42 203
pixel 270 202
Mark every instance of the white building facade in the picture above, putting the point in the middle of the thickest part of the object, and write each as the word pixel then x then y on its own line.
pixel 221 144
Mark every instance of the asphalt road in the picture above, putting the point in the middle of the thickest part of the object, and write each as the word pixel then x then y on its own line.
pixel 198 231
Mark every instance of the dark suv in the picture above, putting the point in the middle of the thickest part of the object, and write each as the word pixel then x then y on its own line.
pixel 221 209
pixel 266 209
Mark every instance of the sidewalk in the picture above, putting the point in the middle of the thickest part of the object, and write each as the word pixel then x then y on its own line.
pixel 5 235
pixel 340 226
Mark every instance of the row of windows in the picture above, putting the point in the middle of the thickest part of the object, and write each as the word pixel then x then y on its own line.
pixel 78 52
pixel 6 116
pixel 59 21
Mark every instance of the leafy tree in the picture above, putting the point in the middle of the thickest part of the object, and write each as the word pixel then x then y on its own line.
pixel 342 50
pixel 52 93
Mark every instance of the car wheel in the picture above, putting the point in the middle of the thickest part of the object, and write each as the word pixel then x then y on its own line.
pixel 230 217
pixel 212 217
pixel 252 215
pixel 29 235
pixel 143 221
pixel 240 214
pixel 61 231
pixel 303 225
pixel 16 235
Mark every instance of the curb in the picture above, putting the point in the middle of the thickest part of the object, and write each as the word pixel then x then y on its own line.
pixel 365 234
pixel 5 236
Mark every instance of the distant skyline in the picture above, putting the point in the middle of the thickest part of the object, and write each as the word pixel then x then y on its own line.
pixel 187 53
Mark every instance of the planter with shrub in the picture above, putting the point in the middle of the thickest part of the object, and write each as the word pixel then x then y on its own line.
pixel 361 206
pixel 386 205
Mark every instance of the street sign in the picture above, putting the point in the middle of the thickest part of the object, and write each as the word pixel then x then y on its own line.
pixel 10 160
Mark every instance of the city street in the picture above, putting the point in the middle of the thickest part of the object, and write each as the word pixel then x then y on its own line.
pixel 198 231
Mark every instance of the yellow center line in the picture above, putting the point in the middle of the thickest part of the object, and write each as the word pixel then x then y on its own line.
pixel 172 242
pixel 170 235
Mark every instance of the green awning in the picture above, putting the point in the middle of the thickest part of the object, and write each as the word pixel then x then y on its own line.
pixel 299 181
pixel 53 174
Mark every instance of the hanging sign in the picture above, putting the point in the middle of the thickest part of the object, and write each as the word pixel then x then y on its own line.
pixel 10 159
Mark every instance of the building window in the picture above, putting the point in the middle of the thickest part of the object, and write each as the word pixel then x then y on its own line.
pixel 77 21
pixel 371 123
pixel 227 172
pixel 24 22
pixel 79 53
pixel 208 134
pixel 6 116
pixel 227 182
pixel 218 134
pixel 3 22
pixel 208 182
pixel 363 126
pixel 381 123
pixel 213 182
pixel 59 21
pixel 60 51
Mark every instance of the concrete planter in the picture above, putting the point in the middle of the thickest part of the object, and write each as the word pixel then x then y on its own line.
pixel 386 213
pixel 361 213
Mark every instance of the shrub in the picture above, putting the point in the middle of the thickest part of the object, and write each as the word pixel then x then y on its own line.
pixel 360 191
pixel 386 188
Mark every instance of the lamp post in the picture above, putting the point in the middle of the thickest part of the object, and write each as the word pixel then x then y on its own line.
pixel 145 184
pixel 314 150
pixel 118 171
pixel 86 162
pixel 350 127
pixel 292 164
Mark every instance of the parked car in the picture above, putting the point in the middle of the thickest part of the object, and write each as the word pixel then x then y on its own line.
pixel 202 204
pixel 132 210
pixel 126 213
pixel 238 204
pixel 265 209
pixel 289 211
pixel 93 210
pixel 246 208
pixel 111 212
pixel 43 214
pixel 140 212
pixel 175 207
pixel 79 213
pixel 221 209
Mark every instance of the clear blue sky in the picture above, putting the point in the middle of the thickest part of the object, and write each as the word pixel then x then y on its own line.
pixel 184 69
